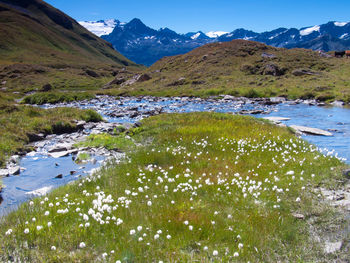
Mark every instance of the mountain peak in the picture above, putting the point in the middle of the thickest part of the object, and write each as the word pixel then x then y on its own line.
pixel 136 22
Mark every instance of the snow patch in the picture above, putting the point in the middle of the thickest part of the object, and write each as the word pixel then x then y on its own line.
pixel 99 28
pixel 195 36
pixel 344 36
pixel 149 37
pixel 309 30
pixel 340 23
pixel 215 34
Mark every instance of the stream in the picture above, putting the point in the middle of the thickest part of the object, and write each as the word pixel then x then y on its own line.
pixel 39 169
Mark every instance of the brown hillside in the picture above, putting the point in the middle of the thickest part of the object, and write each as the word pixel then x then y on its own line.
pixel 248 68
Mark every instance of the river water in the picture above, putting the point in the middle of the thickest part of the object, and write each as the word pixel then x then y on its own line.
pixel 40 169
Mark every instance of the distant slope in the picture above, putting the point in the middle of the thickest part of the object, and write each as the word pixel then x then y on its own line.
pixel 31 31
pixel 40 45
pixel 247 68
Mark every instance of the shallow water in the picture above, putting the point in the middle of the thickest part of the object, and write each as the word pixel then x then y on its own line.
pixel 335 119
pixel 41 169
pixel 40 172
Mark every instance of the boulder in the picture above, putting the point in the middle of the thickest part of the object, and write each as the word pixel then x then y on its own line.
pixel 81 125
pixel 276 119
pixel 179 82
pixel 143 77
pixel 47 87
pixel 267 55
pixel 34 137
pixel 298 216
pixel 346 173
pixel 60 176
pixel 91 73
pixel 252 112
pixel 60 147
pixel 332 247
pixel 273 70
pixel 4 173
pixel 59 154
pixel 116 81
pixel 137 78
pixel 302 72
pixel 40 192
pixel 14 159
pixel 15 170
pixel 312 131
pixel 338 103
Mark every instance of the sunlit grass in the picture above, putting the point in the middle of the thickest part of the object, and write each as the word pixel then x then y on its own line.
pixel 108 141
pixel 208 188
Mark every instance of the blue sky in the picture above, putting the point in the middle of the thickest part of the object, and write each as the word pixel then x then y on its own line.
pixel 207 15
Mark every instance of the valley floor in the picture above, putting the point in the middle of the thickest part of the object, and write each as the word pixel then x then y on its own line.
pixel 205 187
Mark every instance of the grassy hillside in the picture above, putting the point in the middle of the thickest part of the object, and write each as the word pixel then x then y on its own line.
pixel 32 31
pixel 208 188
pixel 39 44
pixel 250 69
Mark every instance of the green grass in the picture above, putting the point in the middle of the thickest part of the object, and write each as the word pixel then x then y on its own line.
pixel 204 182
pixel 82 157
pixel 56 97
pixel 108 141
pixel 17 122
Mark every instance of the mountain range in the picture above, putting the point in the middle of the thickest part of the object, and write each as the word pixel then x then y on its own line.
pixel 145 45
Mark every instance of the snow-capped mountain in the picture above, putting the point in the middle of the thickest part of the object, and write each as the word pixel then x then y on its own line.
pixel 215 34
pixel 145 45
pixel 101 27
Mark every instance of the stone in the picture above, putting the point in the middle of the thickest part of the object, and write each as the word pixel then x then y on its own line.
pixel 92 73
pixel 251 112
pixel 143 77
pixel 332 247
pixel 346 173
pixel 60 147
pixel 137 78
pixel 228 97
pixel 14 159
pixel 302 72
pixel 338 103
pixel 276 119
pixel 273 69
pixel 14 170
pixel 47 87
pixel 309 130
pixel 81 125
pixel 116 81
pixel 59 154
pixel 60 176
pixel 266 55
pixel 4 173
pixel 298 216
pixel 40 192
pixel 34 137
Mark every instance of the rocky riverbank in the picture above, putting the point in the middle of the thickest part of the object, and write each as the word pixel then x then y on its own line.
pixel 131 109
pixel 55 147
